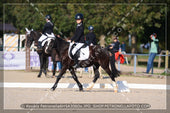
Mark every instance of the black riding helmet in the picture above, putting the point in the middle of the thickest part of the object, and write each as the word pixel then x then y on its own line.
pixel 48 17
pixel 79 16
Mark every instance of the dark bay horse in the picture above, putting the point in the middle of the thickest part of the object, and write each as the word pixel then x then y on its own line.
pixel 33 36
pixel 98 57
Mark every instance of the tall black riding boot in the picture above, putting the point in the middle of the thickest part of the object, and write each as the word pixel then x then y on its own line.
pixel 39 46
pixel 76 56
pixel 77 65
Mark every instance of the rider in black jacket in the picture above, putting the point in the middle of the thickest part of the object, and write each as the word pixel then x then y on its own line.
pixel 48 28
pixel 78 36
pixel 79 33
pixel 91 37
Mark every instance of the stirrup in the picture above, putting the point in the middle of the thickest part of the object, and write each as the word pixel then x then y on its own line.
pixel 76 66
pixel 39 48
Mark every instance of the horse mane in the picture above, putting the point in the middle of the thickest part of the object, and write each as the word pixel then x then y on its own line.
pixel 35 34
pixel 61 44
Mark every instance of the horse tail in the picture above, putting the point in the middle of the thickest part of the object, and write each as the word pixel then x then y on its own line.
pixel 114 71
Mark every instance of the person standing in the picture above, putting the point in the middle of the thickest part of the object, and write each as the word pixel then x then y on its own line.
pixel 123 47
pixel 153 51
pixel 58 63
pixel 113 49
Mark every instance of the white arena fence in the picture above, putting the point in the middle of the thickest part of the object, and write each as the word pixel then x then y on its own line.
pixel 14 42
pixel 17 60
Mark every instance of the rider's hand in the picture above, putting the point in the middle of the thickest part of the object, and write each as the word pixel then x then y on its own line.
pixel 58 36
pixel 68 40
pixel 111 47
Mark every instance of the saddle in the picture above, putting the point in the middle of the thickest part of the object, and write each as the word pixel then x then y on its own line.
pixel 83 51
pixel 50 37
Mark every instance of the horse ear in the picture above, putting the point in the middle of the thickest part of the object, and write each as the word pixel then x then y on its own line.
pixel 28 31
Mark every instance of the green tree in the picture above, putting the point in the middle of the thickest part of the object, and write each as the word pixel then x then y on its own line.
pixel 138 20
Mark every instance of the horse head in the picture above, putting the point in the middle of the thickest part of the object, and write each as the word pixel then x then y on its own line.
pixel 29 38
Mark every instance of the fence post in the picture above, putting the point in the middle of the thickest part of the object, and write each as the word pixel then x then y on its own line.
pixel 119 65
pixel 152 69
pixel 135 64
pixel 159 62
pixel 27 59
pixel 166 61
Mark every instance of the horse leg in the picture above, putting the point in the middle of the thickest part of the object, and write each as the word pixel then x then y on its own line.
pixel 41 65
pixel 97 75
pixel 76 79
pixel 63 70
pixel 54 62
pixel 45 65
pixel 108 71
pixel 54 68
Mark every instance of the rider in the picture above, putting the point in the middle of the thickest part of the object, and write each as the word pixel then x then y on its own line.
pixel 91 37
pixel 78 36
pixel 48 29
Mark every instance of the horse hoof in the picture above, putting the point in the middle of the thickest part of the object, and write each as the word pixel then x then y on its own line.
pixel 52 89
pixel 88 89
pixel 39 76
pixel 53 76
pixel 115 91
pixel 81 90
pixel 47 76
pixel 90 86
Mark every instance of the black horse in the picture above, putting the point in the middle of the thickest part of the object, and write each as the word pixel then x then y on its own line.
pixel 98 57
pixel 33 36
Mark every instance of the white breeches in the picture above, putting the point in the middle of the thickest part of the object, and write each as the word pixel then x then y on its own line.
pixel 42 38
pixel 45 38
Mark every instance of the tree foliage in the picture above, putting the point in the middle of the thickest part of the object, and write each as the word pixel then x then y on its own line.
pixel 142 20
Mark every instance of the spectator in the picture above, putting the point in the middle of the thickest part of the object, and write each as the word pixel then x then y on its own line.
pixel 147 45
pixel 123 46
pixel 59 66
pixel 153 51
pixel 58 62
pixel 114 47
pixel 141 47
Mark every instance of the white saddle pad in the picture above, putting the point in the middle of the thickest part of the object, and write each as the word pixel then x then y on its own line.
pixel 84 52
pixel 50 35
pixel 48 40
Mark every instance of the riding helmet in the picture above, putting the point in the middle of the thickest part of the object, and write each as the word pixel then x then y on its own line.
pixel 79 16
pixel 90 28
pixel 48 17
